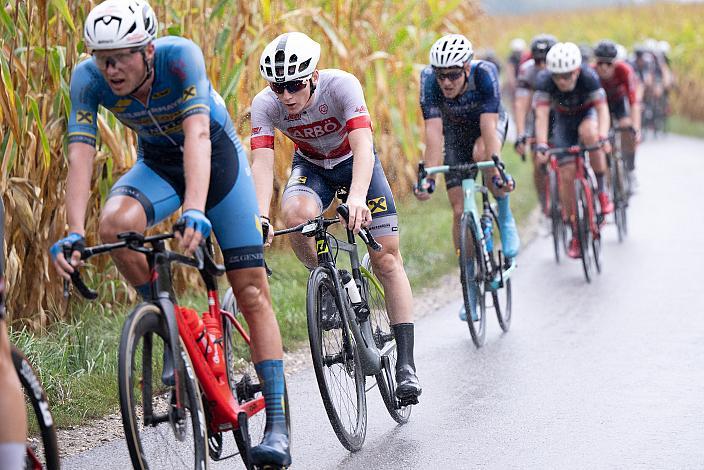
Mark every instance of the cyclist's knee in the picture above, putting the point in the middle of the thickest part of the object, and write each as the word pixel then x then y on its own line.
pixel 298 210
pixel 114 221
pixel 251 296
pixel 388 262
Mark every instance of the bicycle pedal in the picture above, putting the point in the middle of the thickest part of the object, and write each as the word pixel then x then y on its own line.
pixel 408 401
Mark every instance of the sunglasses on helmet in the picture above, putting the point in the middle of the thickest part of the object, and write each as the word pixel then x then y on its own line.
pixel 293 86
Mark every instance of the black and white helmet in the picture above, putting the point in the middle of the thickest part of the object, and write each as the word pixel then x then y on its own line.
pixel 453 50
pixel 563 57
pixel 117 24
pixel 291 56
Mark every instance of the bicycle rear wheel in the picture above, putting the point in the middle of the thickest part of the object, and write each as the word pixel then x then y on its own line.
pixel 243 381
pixel 558 230
pixel 500 295
pixel 620 196
pixel 583 229
pixel 42 449
pixel 155 435
pixel 472 277
pixel 336 362
pixel 385 342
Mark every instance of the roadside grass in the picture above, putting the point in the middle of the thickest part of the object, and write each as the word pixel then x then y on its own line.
pixel 77 361
pixel 684 126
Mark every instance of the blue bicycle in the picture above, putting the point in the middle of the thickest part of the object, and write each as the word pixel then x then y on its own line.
pixel 484 272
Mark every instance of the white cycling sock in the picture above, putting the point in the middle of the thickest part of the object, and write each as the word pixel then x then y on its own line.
pixel 12 455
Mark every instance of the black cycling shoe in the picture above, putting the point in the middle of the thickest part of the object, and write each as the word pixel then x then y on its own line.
pixel 272 451
pixel 408 388
pixel 330 317
pixel 167 374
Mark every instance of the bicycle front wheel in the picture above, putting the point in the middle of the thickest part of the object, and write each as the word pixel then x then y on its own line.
pixel 336 362
pixel 500 294
pixel 584 233
pixel 157 437
pixel 472 276
pixel 385 342
pixel 555 215
pixel 42 448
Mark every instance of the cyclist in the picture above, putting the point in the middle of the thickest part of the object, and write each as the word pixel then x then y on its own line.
pixel 188 156
pixel 573 91
pixel 621 86
pixel 324 113
pixel 524 116
pixel 13 417
pixel 513 62
pixel 461 106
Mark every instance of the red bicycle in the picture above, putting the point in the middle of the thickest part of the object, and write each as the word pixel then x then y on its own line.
pixel 553 207
pixel 587 221
pixel 202 390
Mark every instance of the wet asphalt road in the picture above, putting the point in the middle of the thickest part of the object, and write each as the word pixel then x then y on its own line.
pixel 601 375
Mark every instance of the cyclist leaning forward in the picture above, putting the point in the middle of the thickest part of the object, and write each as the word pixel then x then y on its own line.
pixel 523 109
pixel 573 91
pixel 324 113
pixel 461 106
pixel 622 94
pixel 189 156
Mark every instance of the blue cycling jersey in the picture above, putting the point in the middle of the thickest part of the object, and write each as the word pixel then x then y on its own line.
pixel 482 96
pixel 181 88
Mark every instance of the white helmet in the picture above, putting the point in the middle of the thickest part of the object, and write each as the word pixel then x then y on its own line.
pixel 518 45
pixel 664 47
pixel 621 52
pixel 651 44
pixel 452 50
pixel 117 24
pixel 291 56
pixel 563 57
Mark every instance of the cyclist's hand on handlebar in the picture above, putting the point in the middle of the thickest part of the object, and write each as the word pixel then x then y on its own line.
pixel 541 153
pixel 197 228
pixel 76 243
pixel 520 146
pixel 507 186
pixel 360 215
pixel 605 144
pixel 423 193
pixel 267 230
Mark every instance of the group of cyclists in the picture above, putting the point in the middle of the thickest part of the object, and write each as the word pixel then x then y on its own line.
pixel 189 157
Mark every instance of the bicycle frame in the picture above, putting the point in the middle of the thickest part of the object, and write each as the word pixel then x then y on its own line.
pixel 469 189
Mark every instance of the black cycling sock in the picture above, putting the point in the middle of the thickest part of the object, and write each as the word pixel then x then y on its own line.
pixel 403 332
pixel 601 182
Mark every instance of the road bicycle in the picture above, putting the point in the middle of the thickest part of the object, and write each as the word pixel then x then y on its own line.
pixel 620 187
pixel 554 208
pixel 349 332
pixel 42 448
pixel 485 273
pixel 175 415
pixel 587 223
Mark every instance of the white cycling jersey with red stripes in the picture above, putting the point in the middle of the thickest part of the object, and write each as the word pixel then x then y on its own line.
pixel 321 130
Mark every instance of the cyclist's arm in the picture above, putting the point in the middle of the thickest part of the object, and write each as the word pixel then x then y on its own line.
pixel 542 116
pixel 521 108
pixel 604 118
pixel 362 146
pixel 263 174
pixel 487 125
pixel 434 141
pixel 196 160
pixel 78 185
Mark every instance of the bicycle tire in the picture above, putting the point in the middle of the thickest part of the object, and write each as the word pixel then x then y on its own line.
pixel 555 215
pixel 42 452
pixel 143 325
pixel 501 296
pixel 620 190
pixel 240 370
pixel 343 365
pixel 385 342
pixel 583 229
pixel 472 277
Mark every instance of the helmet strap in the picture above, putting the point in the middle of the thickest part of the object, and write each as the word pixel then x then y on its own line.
pixel 312 87
pixel 147 73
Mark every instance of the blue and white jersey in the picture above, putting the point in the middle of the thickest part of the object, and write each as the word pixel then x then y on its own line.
pixel 181 89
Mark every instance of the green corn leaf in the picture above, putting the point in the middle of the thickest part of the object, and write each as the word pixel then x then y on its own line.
pixel 7 22
pixel 40 127
pixel 63 9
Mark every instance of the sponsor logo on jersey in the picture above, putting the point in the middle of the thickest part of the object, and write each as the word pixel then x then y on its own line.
pixel 123 103
pixel 377 205
pixel 189 93
pixel 292 117
pixel 302 179
pixel 84 117
pixel 315 129
pixel 360 109
pixel 256 130
pixel 323 108
pixel 161 94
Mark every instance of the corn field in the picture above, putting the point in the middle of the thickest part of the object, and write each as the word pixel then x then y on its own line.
pixel 384 43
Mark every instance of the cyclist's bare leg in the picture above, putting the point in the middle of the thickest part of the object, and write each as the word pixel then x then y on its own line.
pixel 539 180
pixel 456 198
pixel 480 155
pixel 297 210
pixel 567 173
pixel 388 267
pixel 589 135
pixel 628 143
pixel 251 289
pixel 12 409
pixel 124 214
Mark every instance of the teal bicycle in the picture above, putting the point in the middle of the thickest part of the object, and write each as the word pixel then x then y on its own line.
pixel 484 272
